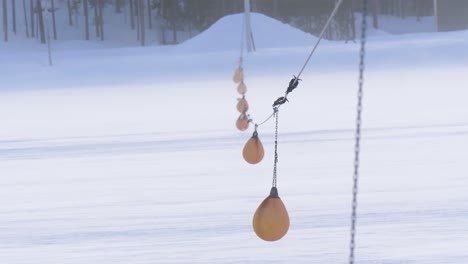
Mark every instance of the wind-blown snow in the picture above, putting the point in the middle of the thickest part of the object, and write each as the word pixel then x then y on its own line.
pixel 131 155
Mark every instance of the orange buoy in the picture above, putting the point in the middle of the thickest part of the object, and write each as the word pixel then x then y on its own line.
pixel 242 105
pixel 242 88
pixel 238 75
pixel 271 220
pixel 253 150
pixel 242 122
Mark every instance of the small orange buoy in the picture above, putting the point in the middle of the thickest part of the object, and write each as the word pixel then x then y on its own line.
pixel 242 122
pixel 242 105
pixel 271 220
pixel 238 75
pixel 242 88
pixel 253 150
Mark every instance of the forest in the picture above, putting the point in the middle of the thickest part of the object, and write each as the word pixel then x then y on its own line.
pixel 171 17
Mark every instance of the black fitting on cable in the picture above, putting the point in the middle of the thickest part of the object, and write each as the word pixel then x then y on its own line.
pixel 293 84
pixel 280 101
pixel 283 99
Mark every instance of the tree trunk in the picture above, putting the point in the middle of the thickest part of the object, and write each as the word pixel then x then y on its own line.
pixel 75 14
pixel 37 22
pixel 174 33
pixel 118 6
pixel 5 21
pixel 54 26
pixel 13 15
pixel 353 25
pixel 173 22
pixel 150 23
pixel 132 19
pixel 142 22
pixel 222 7
pixel 25 12
pixel 190 29
pixel 31 5
pixel 70 20
pixel 101 19
pixel 161 25
pixel 137 11
pixel 254 5
pixel 275 8
pixel 86 15
pixel 163 35
pixel 46 8
pixel 41 21
pixel 96 17
pixel 375 17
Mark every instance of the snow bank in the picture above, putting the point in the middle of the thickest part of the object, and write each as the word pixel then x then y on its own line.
pixel 226 33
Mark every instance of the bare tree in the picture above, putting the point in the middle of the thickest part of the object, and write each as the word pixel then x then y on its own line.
pixel 86 15
pixel 54 26
pixel 25 18
pixel 70 20
pixel 137 12
pixel 13 15
pixel 41 21
pixel 275 8
pixel 5 21
pixel 96 18
pixel 142 22
pixel 162 27
pixel 375 17
pixel 31 9
pixel 49 51
pixel 150 23
pixel 132 19
pixel 101 19
pixel 118 6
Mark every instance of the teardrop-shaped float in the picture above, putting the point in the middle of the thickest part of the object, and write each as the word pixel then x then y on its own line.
pixel 253 150
pixel 242 105
pixel 271 220
pixel 242 88
pixel 238 75
pixel 242 122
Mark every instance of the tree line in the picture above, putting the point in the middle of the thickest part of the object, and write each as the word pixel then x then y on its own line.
pixel 170 17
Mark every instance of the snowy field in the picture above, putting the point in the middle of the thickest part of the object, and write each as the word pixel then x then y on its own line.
pixel 131 155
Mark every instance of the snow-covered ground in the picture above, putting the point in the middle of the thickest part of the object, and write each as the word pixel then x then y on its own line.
pixel 131 155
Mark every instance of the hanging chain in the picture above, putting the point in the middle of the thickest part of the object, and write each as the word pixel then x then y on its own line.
pixel 276 148
pixel 357 146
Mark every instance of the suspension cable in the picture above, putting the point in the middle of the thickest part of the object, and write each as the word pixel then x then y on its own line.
pixel 320 36
pixel 295 81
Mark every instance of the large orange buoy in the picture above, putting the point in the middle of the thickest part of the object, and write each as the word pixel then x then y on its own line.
pixel 242 105
pixel 253 150
pixel 242 122
pixel 242 88
pixel 271 220
pixel 238 75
